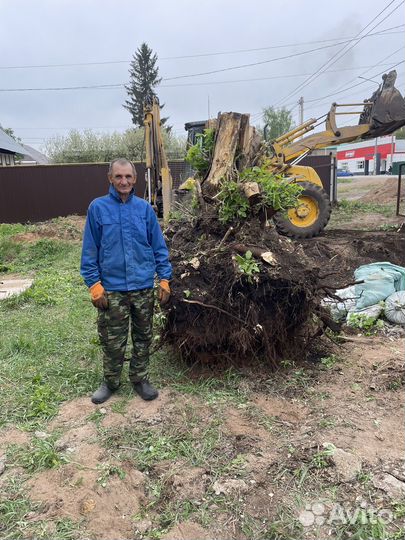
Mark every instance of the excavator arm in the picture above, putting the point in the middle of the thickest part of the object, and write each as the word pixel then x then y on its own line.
pixel 382 114
pixel 158 177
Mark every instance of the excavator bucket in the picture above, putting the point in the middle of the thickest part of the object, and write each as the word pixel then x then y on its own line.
pixel 385 111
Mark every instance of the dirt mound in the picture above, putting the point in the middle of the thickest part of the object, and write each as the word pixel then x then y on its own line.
pixel 386 193
pixel 62 228
pixel 251 295
pixel 229 307
pixel 340 252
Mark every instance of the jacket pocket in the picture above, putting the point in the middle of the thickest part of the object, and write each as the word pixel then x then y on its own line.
pixel 139 230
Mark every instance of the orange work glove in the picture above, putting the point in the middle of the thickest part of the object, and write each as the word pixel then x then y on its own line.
pixel 164 291
pixel 98 296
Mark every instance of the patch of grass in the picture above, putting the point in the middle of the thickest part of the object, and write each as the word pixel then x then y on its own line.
pixel 145 447
pixel 227 387
pixel 344 180
pixel 39 454
pixel 346 210
pixel 49 348
pixel 119 406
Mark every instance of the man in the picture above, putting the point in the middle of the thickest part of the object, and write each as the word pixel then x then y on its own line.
pixel 123 248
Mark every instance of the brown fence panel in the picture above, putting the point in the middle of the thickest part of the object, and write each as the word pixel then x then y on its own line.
pixel 41 192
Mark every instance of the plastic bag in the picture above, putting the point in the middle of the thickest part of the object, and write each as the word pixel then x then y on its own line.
pixel 380 281
pixel 339 309
pixel 395 308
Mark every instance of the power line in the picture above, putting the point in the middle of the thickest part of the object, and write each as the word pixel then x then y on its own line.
pixel 386 31
pixel 116 86
pixel 318 72
pixel 353 86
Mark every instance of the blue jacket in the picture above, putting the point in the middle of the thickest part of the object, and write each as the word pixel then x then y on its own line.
pixel 123 245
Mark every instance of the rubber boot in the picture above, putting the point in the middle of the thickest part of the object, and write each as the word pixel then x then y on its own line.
pixel 101 394
pixel 145 390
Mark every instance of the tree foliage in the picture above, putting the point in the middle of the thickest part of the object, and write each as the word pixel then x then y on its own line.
pixel 144 77
pixel 91 147
pixel 10 133
pixel 400 133
pixel 279 121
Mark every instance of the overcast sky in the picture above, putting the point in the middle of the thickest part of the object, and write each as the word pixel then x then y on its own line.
pixel 48 32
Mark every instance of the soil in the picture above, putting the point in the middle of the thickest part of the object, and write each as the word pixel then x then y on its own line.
pixel 356 404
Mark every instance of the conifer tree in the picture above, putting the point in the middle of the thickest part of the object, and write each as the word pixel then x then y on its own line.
pixel 144 77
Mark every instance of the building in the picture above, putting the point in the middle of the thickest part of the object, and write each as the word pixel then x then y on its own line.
pixel 362 157
pixel 9 148
pixel 14 153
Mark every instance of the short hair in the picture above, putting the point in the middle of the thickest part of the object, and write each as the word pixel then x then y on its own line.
pixel 121 161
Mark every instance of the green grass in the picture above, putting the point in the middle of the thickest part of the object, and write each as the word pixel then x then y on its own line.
pixel 146 447
pixel 38 455
pixel 49 346
pixel 346 210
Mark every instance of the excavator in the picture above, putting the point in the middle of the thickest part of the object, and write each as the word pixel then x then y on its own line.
pixel 382 114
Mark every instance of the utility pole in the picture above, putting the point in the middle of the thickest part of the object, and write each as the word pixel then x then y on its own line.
pixel 209 112
pixel 301 105
pixel 392 150
pixel 375 156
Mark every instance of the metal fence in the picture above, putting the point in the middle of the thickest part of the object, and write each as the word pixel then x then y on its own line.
pixel 41 192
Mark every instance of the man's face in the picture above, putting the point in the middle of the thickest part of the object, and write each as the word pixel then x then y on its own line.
pixel 123 179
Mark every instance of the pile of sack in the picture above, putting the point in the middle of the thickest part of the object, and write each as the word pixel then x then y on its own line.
pixel 379 290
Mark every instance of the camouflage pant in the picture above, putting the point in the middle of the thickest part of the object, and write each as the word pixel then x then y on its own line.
pixel 113 327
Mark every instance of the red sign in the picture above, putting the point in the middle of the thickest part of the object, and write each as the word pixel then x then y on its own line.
pixel 366 152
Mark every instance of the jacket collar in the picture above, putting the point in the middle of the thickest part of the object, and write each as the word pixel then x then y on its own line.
pixel 115 195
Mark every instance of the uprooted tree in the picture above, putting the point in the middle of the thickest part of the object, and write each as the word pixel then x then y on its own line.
pixel 240 290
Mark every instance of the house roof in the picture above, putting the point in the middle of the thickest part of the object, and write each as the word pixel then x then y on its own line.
pixel 35 155
pixel 9 144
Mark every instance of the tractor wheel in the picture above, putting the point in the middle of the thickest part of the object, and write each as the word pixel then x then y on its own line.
pixel 311 215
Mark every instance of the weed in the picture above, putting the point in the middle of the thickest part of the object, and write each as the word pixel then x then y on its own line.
pixel 329 361
pixel 233 203
pixel 321 459
pixel 247 265
pixel 200 155
pixel 38 455
pixel 106 471
pixel 395 384
pixel 96 417
pixel 327 422
pixel 364 477
pixel 44 399
pixel 277 192
pixel 364 322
